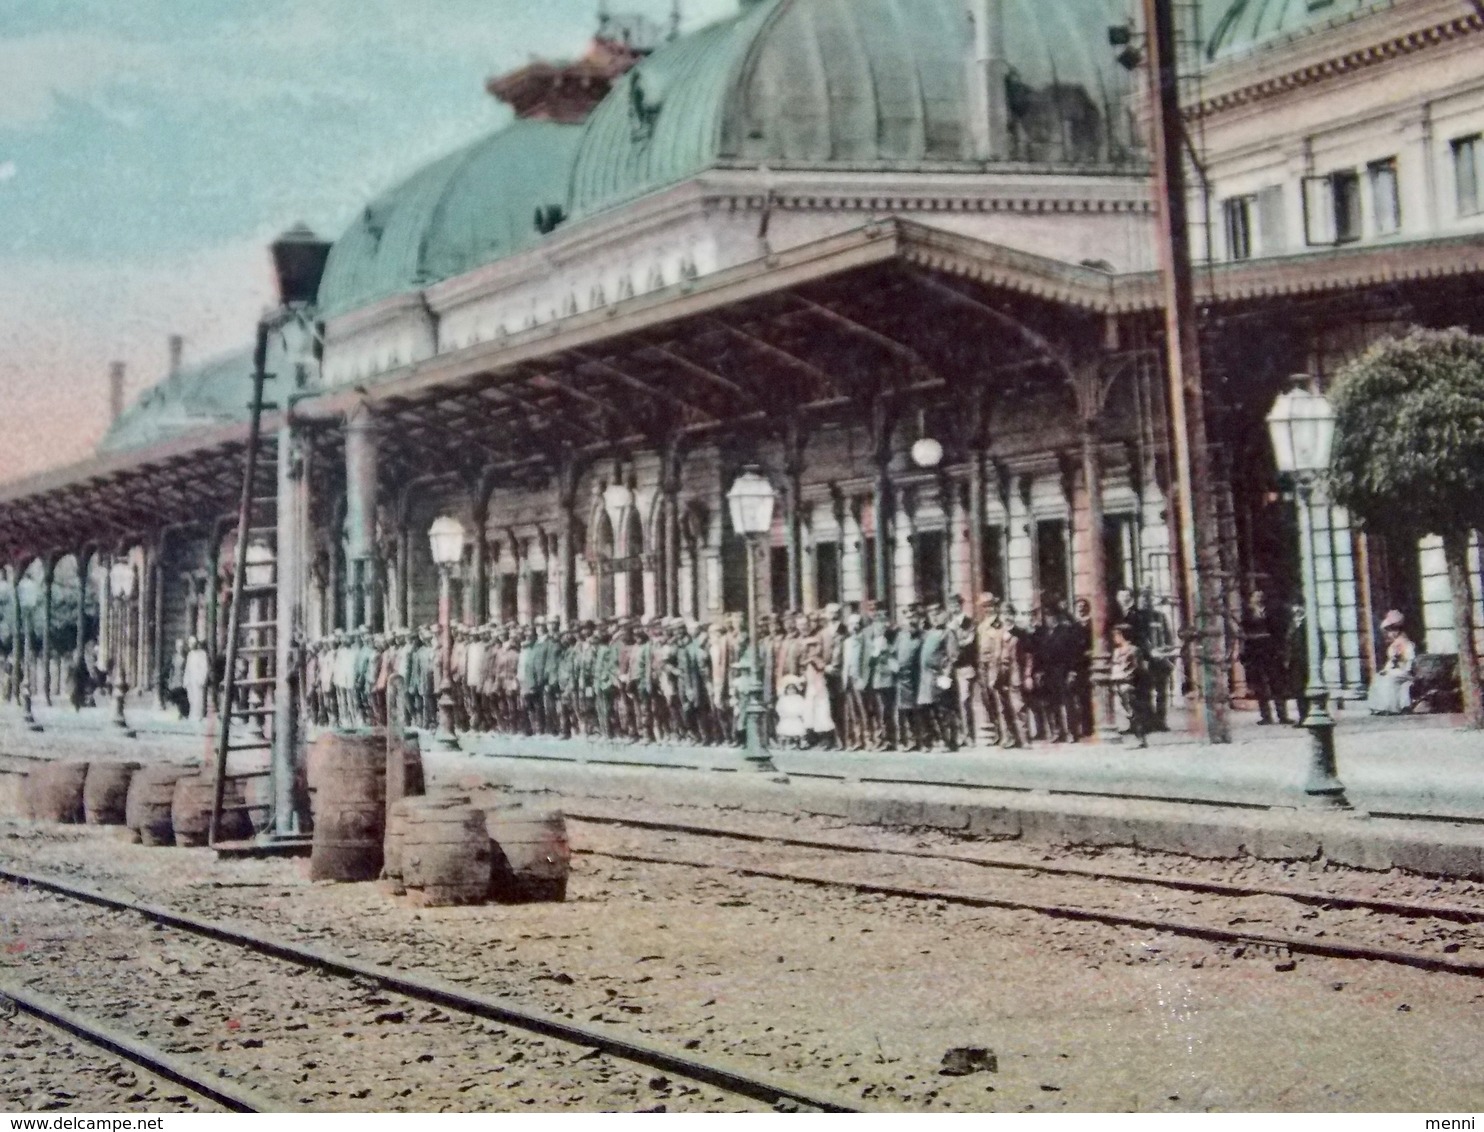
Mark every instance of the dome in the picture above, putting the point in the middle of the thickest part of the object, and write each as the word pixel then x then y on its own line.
pixel 1248 24
pixel 217 392
pixel 856 84
pixel 469 208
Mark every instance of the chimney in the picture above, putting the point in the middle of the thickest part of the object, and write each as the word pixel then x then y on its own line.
pixel 115 391
pixel 987 70
pixel 177 345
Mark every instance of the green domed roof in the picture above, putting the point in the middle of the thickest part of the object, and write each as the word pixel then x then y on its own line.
pixel 469 208
pixel 873 84
pixel 216 392
pixel 1248 24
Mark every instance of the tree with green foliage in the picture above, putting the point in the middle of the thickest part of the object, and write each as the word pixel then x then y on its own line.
pixel 1409 459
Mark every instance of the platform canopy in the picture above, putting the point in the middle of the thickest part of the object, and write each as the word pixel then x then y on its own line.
pixel 893 308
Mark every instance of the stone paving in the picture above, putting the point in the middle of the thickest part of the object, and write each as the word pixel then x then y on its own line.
pixel 1415 766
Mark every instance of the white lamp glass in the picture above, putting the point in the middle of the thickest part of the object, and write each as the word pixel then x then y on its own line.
pixel 1302 428
pixel 751 502
pixel 260 560
pixel 927 453
pixel 446 540
pixel 121 580
pixel 617 497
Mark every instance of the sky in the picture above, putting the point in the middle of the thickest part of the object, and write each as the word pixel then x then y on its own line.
pixel 151 149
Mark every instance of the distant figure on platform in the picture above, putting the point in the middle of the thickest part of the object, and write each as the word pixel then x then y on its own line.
pixel 195 676
pixel 1262 648
pixel 175 688
pixel 1391 687
pixel 1126 673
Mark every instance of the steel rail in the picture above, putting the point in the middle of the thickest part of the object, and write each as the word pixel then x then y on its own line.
pixel 1453 912
pixel 146 1056
pixel 439 993
pixel 1293 944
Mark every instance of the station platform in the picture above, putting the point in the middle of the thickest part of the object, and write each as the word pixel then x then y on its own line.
pixel 1416 785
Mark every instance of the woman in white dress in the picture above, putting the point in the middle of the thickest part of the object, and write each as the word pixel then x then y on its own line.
pixel 1391 687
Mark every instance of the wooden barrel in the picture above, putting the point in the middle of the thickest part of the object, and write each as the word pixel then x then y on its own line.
pixel 190 811
pixel 404 775
pixel 54 792
pixel 396 832
pixel 147 809
pixel 444 854
pixel 530 856
pixel 348 804
pixel 106 792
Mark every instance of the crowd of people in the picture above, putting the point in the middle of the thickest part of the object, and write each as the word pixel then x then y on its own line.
pixel 936 677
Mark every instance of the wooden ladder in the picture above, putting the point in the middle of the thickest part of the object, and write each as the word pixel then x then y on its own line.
pixel 252 621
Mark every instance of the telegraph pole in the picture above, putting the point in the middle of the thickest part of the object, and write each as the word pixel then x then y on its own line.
pixel 1194 499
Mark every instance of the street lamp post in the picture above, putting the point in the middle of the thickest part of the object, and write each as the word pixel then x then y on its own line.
pixel 1302 429
pixel 121 585
pixel 446 538
pixel 751 500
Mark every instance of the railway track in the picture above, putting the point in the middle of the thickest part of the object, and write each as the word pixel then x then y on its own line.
pixel 209 1086
pixel 130 918
pixel 1292 911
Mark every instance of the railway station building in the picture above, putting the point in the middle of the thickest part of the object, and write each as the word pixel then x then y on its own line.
pixel 808 238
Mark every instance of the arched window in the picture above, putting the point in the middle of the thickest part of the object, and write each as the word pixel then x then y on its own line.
pixel 603 548
pixel 634 563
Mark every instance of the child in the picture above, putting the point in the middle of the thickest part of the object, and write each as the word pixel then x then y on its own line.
pixel 1126 674
pixel 792 712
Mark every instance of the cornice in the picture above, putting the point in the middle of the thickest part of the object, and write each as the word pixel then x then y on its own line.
pixel 1342 56
pixel 379 314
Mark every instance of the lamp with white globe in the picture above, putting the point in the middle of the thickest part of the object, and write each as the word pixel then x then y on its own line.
pixel 446 541
pixel 1301 426
pixel 751 501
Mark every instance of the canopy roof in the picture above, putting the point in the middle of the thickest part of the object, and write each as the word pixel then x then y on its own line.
pixel 195 397
pixel 469 208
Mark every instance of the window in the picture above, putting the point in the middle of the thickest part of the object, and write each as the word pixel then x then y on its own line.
pixel 929 564
pixel 1332 213
pixel 1272 226
pixel 827 573
pixel 1238 211
pixel 1346 187
pixel 1466 156
pixel 778 579
pixel 538 593
pixel 1052 560
pixel 1386 200
pixel 992 580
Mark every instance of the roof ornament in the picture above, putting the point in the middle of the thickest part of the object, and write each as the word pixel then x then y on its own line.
pixel 644 107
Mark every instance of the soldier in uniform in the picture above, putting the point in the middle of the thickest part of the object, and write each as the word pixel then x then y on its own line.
pixel 905 670
pixel 428 677
pixel 474 667
pixel 937 706
pixel 992 643
pixel 965 669
pixel 605 681
pixel 881 639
